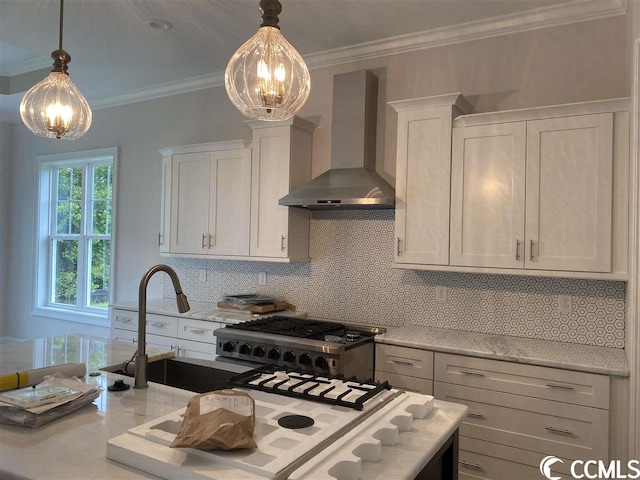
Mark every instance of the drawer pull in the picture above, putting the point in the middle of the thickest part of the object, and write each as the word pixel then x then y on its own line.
pixel 123 319
pixel 402 362
pixel 474 466
pixel 199 332
pixel 159 324
pixel 475 415
pixel 560 386
pixel 472 373
pixel 560 431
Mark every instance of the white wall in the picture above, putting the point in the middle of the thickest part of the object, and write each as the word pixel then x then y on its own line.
pixel 572 63
pixel 5 197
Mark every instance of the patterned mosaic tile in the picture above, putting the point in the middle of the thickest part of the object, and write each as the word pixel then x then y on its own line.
pixel 350 279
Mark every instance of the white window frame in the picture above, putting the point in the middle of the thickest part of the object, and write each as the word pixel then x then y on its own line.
pixel 45 214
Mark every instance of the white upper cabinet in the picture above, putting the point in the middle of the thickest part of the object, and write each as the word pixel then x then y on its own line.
pixel 281 163
pixel 190 204
pixel 569 193
pixel 539 191
pixel 210 199
pixel 423 174
pixel 164 236
pixel 488 196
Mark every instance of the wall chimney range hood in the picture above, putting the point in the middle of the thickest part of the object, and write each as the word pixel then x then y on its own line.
pixel 351 182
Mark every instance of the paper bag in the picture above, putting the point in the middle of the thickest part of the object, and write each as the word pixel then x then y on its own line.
pixel 220 420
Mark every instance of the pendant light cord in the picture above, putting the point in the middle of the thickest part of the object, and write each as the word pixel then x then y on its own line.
pixel 61 19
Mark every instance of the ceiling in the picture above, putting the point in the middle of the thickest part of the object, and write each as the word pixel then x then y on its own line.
pixel 115 51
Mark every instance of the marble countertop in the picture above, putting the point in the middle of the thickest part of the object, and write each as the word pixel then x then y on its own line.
pixel 96 352
pixel 199 310
pixel 571 356
pixel 74 447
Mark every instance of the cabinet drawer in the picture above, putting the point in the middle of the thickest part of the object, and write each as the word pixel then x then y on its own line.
pixel 580 388
pixel 404 361
pixel 124 335
pixel 480 459
pixel 404 382
pixel 162 325
pixel 543 426
pixel 203 351
pixel 197 330
pixel 163 343
pixel 124 319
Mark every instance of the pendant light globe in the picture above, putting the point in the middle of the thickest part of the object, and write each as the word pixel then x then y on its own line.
pixel 54 107
pixel 267 79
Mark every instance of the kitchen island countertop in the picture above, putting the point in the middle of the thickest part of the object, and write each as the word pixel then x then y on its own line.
pixel 74 447
pixel 572 356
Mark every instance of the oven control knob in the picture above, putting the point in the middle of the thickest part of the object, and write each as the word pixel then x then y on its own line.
pixel 274 354
pixel 228 347
pixel 258 351
pixel 305 359
pixel 289 357
pixel 245 349
pixel 321 362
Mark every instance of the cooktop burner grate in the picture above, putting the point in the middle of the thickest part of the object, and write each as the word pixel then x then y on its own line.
pixel 292 327
pixel 346 392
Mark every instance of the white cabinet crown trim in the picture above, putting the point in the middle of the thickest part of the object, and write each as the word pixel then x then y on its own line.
pixel 456 100
pixel 206 147
pixel 539 113
pixel 294 121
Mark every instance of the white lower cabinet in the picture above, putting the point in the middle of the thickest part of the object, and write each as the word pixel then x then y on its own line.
pixel 189 338
pixel 518 414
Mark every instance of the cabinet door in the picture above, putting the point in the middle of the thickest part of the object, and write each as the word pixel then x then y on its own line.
pixel 569 193
pixel 202 351
pixel 423 186
pixel 165 206
pixel 270 182
pixel 190 203
pixel 230 202
pixel 488 195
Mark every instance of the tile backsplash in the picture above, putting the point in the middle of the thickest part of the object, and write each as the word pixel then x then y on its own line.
pixel 350 279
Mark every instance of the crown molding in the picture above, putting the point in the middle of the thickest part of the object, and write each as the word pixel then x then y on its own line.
pixel 571 12
pixel 36 63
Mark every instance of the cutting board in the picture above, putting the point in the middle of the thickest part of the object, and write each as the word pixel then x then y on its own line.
pixel 266 308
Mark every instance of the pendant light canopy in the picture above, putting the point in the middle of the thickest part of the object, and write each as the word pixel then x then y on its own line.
pixel 267 78
pixel 54 107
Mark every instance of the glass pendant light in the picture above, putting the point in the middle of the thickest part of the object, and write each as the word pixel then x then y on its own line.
pixel 54 107
pixel 267 78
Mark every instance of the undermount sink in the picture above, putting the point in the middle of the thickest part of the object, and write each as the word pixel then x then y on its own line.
pixel 191 374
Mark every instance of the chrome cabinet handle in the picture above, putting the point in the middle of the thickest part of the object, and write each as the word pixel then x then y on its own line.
pixel 398 247
pixel 531 245
pixel 474 466
pixel 475 415
pixel 160 242
pixel 211 240
pixel 178 351
pixel 203 236
pixel 560 387
pixel 517 249
pixel 282 237
pixel 123 319
pixel 199 332
pixel 159 324
pixel 402 362
pixel 560 431
pixel 172 347
pixel 472 373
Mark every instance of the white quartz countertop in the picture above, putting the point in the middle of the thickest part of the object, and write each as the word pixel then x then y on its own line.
pixel 96 352
pixel 571 356
pixel 199 310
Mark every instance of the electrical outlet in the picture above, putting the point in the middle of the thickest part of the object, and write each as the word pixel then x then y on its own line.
pixel 202 274
pixel 262 278
pixel 441 294
pixel 564 303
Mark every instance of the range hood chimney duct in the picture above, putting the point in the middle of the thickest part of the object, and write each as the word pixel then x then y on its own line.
pixel 351 182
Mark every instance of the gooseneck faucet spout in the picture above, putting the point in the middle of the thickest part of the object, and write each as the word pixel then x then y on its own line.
pixel 140 372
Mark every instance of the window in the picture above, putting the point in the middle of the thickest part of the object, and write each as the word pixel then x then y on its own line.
pixel 75 225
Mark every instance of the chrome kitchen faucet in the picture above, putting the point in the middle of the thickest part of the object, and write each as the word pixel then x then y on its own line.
pixel 140 372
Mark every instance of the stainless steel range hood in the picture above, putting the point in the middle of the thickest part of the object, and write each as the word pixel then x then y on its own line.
pixel 352 181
